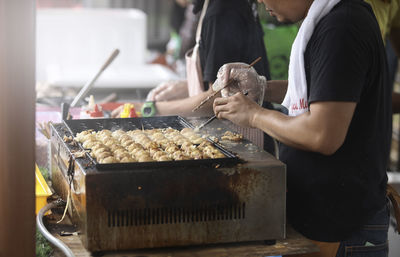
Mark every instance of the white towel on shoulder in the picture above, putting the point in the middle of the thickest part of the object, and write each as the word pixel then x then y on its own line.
pixel 296 95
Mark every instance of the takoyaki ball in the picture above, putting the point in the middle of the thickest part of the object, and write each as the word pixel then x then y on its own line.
pixel 196 139
pixel 98 151
pixel 127 143
pixel 104 132
pixel 169 130
pixel 204 144
pixel 89 137
pixel 89 143
pixel 80 136
pixel 219 155
pixel 164 158
pixel 110 142
pixel 133 132
pixel 187 146
pixel 182 140
pixel 186 131
pixel 135 151
pixel 171 148
pixel 196 154
pixel 158 154
pixel 122 156
pixel 108 159
pixel 118 133
pixel 178 155
pixel 150 144
pixel 152 151
pixel 145 158
pixel 103 155
pixel 163 142
pixel 125 137
pixel 98 146
pixel 133 146
pixel 141 152
pixel 119 151
pixel 127 159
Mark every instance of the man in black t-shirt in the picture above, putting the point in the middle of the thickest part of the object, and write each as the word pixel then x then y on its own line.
pixel 336 150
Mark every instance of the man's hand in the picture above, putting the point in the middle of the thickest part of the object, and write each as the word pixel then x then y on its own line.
pixel 245 79
pixel 237 108
pixel 167 91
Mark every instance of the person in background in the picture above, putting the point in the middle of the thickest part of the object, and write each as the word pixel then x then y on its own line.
pixel 177 89
pixel 226 27
pixel 387 13
pixel 231 32
pixel 335 140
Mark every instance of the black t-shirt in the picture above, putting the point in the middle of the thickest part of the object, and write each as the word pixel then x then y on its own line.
pixel 329 197
pixel 231 33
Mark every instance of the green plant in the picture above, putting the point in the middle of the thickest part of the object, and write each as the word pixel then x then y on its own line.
pixel 43 247
pixel 45 173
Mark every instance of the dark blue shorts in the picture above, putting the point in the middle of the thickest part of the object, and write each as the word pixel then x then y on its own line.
pixel 371 240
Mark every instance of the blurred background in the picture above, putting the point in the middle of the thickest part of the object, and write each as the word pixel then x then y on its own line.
pixel 75 37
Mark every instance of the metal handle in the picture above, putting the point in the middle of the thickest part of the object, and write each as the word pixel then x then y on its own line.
pixel 90 83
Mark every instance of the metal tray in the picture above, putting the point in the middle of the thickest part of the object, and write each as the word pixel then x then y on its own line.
pixel 175 122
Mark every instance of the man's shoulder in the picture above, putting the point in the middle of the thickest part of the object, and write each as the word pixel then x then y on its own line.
pixel 350 12
pixel 349 17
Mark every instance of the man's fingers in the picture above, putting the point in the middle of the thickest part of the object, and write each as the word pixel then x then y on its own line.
pixel 152 96
pixel 222 107
pixel 225 71
pixel 165 95
pixel 221 100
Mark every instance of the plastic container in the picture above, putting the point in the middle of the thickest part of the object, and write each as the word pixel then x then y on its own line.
pixel 92 111
pixel 129 111
pixel 42 191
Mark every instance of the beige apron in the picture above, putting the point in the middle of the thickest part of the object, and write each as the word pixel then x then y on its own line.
pixel 193 67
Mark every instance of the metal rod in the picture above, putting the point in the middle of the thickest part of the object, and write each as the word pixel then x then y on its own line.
pixel 90 83
pixel 211 119
pixel 207 122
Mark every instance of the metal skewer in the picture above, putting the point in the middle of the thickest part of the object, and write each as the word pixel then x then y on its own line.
pixel 210 119
pixel 90 83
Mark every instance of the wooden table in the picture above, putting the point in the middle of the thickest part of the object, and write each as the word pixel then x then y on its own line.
pixel 293 244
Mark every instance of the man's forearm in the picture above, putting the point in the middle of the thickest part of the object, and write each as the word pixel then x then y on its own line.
pixel 185 106
pixel 275 91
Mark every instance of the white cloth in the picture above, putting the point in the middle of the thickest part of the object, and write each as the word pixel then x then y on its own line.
pixel 296 95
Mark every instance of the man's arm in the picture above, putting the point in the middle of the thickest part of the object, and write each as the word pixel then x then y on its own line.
pixel 185 106
pixel 323 129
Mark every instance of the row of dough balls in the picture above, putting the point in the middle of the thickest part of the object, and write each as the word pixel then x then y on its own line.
pixel 146 145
